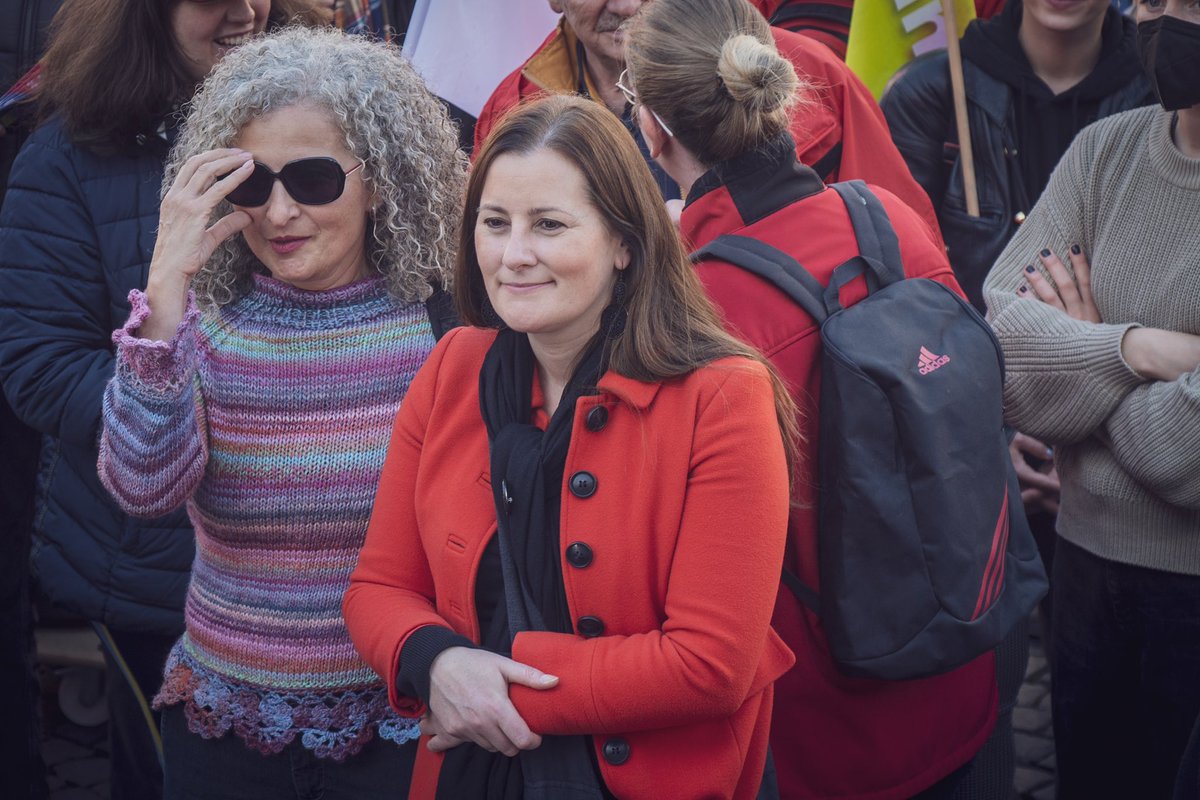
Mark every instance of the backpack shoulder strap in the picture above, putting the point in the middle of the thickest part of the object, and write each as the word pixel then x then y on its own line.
pixel 803 592
pixel 828 165
pixel 440 310
pixel 877 242
pixel 771 264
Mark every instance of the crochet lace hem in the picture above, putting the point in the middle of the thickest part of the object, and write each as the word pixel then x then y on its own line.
pixel 333 725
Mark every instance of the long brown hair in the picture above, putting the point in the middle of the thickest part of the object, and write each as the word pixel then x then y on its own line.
pixel 113 68
pixel 672 327
pixel 711 70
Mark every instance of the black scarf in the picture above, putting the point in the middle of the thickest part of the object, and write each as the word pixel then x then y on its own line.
pixel 527 468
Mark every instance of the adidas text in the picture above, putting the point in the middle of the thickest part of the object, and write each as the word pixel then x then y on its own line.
pixel 927 362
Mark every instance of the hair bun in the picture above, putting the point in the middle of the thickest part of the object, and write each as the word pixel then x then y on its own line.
pixel 755 74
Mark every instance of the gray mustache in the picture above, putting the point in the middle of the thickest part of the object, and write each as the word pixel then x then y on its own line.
pixel 609 22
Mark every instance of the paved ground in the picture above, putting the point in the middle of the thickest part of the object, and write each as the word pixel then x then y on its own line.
pixel 76 760
pixel 77 757
pixel 1033 736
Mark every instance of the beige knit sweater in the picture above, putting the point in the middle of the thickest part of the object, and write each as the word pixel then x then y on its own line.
pixel 1127 449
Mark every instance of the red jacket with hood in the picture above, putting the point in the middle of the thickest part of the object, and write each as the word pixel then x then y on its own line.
pixel 832 736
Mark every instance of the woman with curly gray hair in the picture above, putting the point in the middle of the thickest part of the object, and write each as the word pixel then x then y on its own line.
pixel 307 228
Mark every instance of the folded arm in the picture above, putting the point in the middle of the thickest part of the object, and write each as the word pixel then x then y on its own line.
pixel 1154 433
pixel 1064 376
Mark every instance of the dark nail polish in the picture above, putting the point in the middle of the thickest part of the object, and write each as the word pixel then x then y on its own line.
pixel 1023 289
pixel 1075 249
pixel 1029 269
pixel 1045 253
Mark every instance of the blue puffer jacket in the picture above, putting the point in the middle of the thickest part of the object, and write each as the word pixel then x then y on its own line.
pixel 77 231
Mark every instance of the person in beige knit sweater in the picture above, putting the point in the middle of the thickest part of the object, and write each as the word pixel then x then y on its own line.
pixel 1096 302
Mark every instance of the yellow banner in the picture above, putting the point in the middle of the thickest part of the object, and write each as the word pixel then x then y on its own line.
pixel 887 34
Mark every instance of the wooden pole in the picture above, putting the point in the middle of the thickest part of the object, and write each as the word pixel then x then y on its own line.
pixel 960 108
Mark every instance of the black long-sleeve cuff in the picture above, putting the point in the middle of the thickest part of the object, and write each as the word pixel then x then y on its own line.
pixel 416 658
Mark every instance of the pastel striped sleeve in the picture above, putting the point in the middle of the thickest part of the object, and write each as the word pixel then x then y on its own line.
pixel 154 444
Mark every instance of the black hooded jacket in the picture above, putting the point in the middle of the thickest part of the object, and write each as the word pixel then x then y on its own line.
pixel 1019 130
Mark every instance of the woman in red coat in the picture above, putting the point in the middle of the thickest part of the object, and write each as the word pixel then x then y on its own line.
pixel 607 632
pixel 715 99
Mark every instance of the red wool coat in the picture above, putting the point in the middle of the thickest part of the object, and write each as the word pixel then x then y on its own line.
pixel 685 530
pixel 842 112
pixel 832 736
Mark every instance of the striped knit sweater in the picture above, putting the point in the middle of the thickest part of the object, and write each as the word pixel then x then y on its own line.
pixel 1127 449
pixel 270 418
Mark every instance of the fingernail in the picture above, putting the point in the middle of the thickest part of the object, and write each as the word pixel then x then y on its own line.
pixel 1029 269
pixel 1075 249
pixel 549 678
pixel 1023 289
pixel 1045 253
pixel 1049 452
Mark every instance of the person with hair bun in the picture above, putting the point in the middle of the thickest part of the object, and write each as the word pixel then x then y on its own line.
pixel 308 224
pixel 841 134
pixel 714 97
pixel 569 567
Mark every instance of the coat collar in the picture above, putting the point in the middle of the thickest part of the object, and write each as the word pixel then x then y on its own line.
pixel 634 393
pixel 991 96
pixel 760 181
pixel 558 65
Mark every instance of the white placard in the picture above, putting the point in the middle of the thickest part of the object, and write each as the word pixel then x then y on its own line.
pixel 464 48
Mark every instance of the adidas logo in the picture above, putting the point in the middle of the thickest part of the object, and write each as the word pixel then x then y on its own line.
pixel 927 362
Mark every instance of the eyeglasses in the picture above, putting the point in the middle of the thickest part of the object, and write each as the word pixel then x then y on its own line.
pixel 632 98
pixel 313 181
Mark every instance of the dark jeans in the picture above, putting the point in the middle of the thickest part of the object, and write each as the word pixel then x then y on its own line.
pixel 1044 534
pixel 226 769
pixel 1125 675
pixel 136 773
pixel 1187 783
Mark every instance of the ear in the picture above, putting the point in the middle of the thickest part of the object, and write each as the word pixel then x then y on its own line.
pixel 656 138
pixel 624 256
pixel 556 6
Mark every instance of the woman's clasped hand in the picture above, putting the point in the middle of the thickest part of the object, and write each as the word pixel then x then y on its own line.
pixel 469 701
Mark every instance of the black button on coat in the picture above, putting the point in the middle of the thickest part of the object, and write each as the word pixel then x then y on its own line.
pixel 616 751
pixel 590 627
pixel 579 555
pixel 583 484
pixel 597 418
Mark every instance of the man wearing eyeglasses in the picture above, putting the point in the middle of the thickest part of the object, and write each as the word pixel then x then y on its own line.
pixel 842 135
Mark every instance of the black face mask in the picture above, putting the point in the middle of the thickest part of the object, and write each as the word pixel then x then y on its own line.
pixel 1169 50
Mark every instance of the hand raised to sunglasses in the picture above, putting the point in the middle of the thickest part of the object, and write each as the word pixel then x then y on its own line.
pixel 185 239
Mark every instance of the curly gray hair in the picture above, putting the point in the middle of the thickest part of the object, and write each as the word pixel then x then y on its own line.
pixel 390 121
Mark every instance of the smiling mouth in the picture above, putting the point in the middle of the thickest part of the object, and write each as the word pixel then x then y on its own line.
pixel 234 41
pixel 287 244
pixel 524 287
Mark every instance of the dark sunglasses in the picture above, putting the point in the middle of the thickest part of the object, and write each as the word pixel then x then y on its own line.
pixel 310 181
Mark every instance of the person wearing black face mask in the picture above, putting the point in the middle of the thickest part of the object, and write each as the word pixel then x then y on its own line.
pixel 1169 49
pixel 1096 302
